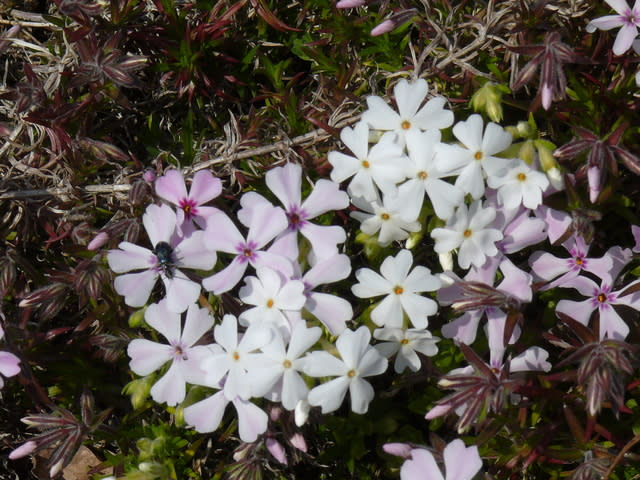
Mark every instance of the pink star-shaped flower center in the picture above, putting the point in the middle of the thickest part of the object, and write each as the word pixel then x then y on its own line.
pixel 190 208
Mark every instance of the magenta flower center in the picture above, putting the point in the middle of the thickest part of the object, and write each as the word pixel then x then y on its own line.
pixel 189 207
pixel 297 218
pixel 246 252
pixel 631 17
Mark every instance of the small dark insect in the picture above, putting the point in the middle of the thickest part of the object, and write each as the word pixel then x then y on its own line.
pixel 164 252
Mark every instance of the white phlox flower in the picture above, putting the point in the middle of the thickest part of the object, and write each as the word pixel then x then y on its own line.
pixel 238 354
pixel 272 295
pixel 520 184
pixel 469 231
pixel 475 159
pixel 402 288
pixel 386 218
pixel 382 166
pixel 409 117
pixel 424 176
pixel 404 343
pixel 277 376
pixel 359 360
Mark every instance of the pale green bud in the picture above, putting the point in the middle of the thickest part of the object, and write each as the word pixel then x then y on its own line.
pixel 488 98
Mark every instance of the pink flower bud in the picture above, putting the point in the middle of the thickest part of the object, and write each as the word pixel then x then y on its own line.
pixel 298 441
pixel 98 241
pixel 277 450
pixel 350 3
pixel 384 27
pixel 149 176
pixel 23 450
pixel 398 449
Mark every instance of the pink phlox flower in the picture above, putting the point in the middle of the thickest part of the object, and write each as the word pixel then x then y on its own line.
pixel 476 158
pixel 238 354
pixel 386 217
pixel 602 297
pixel 147 356
pixel 178 252
pixel 460 463
pixel 358 361
pixel 558 222
pixel 410 116
pixel 286 183
pixel 204 188
pixel 627 18
pixel 331 310
pixel 401 287
pixel 470 231
pixel 405 344
pixel 519 229
pixel 223 236
pixel 278 377
pixel 8 363
pixel 425 177
pixel 381 167
pixel 477 298
pixel 207 414
pixel 271 295
pixel 547 267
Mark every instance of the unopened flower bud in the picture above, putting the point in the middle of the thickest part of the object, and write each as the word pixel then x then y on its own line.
pixel 350 3
pixel 149 176
pixel 23 450
pixel 98 241
pixel 302 412
pixel 545 154
pixel 446 261
pixel 398 449
pixel 527 152
pixel 138 193
pixel 555 178
pixel 298 441
pixel 488 98
pixel 277 450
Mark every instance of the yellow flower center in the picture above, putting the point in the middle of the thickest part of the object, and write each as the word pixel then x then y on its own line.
pixel 467 233
pixel 521 176
pixel 235 356
pixel 351 373
pixel 269 303
pixel 406 125
pixel 423 175
pixel 398 290
pixel 287 363
pixel 365 164
pixel 385 216
pixel 404 341
pixel 478 155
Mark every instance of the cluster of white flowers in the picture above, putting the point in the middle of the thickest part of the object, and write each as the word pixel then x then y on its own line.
pixel 409 163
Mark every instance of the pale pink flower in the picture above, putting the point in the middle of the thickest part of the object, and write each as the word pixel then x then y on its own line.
pixel 147 356
pixel 205 187
pixel 627 18
pixel 176 253
pixel 460 463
